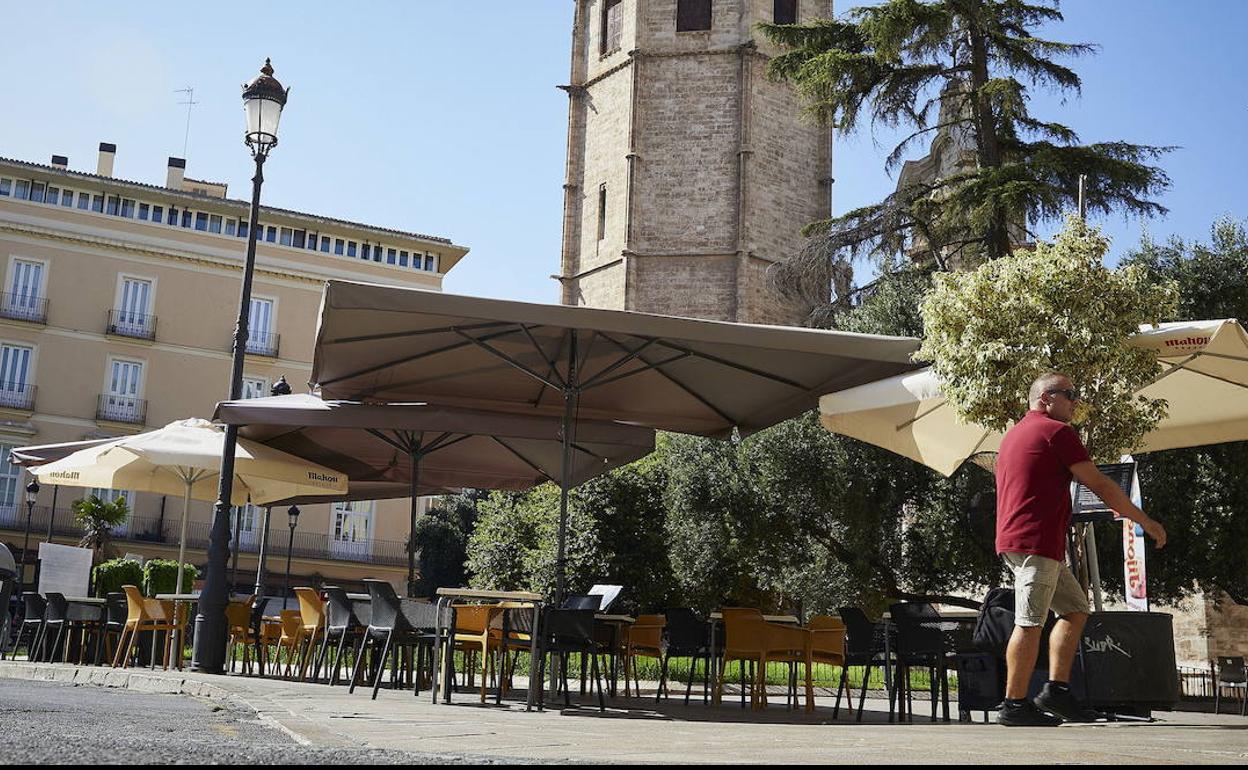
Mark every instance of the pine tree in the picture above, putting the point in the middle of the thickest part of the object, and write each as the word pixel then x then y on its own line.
pixel 970 62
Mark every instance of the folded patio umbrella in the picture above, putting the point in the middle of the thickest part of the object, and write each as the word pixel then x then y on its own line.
pixel 419 445
pixel 184 457
pixel 41 454
pixel 686 375
pixel 1204 379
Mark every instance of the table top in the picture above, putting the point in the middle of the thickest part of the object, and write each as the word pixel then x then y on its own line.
pixel 616 618
pixel 360 597
pixel 791 619
pixel 85 600
pixel 476 593
pixel 192 598
pixel 953 613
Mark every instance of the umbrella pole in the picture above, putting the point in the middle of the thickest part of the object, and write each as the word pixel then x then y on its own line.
pixel 186 507
pixel 570 394
pixel 414 456
pixel 264 553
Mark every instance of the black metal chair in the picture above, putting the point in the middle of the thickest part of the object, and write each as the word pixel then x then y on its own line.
pixel 564 632
pixel 55 617
pixel 116 611
pixel 1233 676
pixel 688 636
pixel 864 647
pixel 342 628
pixel 921 642
pixel 34 606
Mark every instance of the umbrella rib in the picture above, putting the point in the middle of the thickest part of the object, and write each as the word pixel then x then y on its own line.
pixel 510 361
pixel 554 369
pixel 414 333
pixel 391 441
pixel 732 365
pixel 1205 374
pixel 416 357
pixel 631 355
pixel 918 417
pixel 442 442
pixel 594 455
pixel 523 459
pixel 1173 368
pixel 649 366
pixel 670 378
pixel 1226 356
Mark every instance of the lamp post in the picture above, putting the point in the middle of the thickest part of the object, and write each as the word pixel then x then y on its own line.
pixel 293 513
pixel 263 100
pixel 32 492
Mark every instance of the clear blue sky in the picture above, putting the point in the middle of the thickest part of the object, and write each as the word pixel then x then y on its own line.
pixel 432 117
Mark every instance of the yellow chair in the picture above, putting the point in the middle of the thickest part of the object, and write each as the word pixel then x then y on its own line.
pixel 827 644
pixel 290 623
pixel 238 619
pixel 644 638
pixel 312 619
pixel 143 614
pixel 750 638
pixel 476 630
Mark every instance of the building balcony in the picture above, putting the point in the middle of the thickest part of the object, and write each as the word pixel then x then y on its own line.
pixel 263 344
pixel 17 396
pixel 164 531
pixel 125 323
pixel 132 411
pixel 24 307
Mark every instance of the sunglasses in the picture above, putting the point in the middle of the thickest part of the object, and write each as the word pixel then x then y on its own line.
pixel 1071 394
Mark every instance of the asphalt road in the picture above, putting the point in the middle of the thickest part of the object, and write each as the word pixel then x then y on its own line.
pixel 47 723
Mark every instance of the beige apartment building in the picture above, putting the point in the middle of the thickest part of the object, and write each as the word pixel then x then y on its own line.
pixel 117 315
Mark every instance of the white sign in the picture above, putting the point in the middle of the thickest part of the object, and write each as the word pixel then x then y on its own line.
pixel 64 569
pixel 1134 577
pixel 608 594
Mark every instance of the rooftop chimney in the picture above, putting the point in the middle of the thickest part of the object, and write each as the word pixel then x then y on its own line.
pixel 60 161
pixel 107 153
pixel 173 178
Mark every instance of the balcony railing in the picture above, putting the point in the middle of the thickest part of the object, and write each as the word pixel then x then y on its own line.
pixel 121 409
pixel 126 323
pixel 152 529
pixel 263 343
pixel 24 307
pixel 17 396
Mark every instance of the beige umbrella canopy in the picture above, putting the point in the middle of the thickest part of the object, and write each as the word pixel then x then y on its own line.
pixel 1204 379
pixel 184 458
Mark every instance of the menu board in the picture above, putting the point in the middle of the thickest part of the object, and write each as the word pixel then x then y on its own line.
pixel 1087 506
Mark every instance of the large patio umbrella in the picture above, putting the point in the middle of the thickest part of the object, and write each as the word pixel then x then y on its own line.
pixel 691 376
pixel 1204 379
pixel 184 457
pixel 418 446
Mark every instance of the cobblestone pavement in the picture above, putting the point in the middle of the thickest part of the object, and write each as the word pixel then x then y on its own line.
pixel 50 723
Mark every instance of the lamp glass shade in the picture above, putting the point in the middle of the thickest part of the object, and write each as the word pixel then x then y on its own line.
pixel 293 513
pixel 263 115
pixel 32 491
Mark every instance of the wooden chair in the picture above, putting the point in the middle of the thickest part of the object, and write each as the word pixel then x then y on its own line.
pixel 644 639
pixel 312 619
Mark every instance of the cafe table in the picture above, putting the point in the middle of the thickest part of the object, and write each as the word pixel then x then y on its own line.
pixel 443 651
pixel 175 641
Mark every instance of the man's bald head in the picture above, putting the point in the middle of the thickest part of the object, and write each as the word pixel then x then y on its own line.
pixel 1045 382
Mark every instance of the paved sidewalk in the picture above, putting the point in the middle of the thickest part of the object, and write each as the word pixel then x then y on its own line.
pixel 635 731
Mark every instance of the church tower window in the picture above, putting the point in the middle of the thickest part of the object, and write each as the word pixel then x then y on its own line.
pixel 693 15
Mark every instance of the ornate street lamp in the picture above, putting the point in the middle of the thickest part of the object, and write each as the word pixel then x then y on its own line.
pixel 293 513
pixel 263 100
pixel 32 493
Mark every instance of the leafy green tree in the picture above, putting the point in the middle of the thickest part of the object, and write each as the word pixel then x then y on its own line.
pixel 441 538
pixel 1200 493
pixel 972 62
pixel 991 332
pixel 97 518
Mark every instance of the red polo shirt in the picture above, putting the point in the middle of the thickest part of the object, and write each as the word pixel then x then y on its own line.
pixel 1033 485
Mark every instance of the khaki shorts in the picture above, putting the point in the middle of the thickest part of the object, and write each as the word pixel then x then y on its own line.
pixel 1041 584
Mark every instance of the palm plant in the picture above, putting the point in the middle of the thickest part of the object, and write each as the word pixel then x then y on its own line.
pixel 98 517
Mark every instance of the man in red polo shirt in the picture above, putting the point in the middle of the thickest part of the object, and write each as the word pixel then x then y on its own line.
pixel 1037 459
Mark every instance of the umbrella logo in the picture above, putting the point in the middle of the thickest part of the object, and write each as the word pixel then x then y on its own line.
pixel 1188 342
pixel 66 475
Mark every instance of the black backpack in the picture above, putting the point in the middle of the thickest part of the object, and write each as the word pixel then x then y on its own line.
pixel 995 625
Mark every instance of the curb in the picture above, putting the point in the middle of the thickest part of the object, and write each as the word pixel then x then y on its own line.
pixel 298 728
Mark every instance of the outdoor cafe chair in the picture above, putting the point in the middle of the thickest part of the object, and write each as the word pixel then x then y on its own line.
pixel 476 631
pixel 241 634
pixel 116 611
pixel 688 636
pixel 644 639
pixel 312 626
pixel 290 623
pixel 564 632
pixel 342 629
pixel 388 628
pixel 864 647
pixel 55 618
pixel 142 614
pixel 32 624
pixel 921 642
pixel 1233 676
pixel 748 637
pixel 827 641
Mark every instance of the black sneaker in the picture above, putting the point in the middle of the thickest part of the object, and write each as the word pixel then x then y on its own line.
pixel 1025 715
pixel 1061 703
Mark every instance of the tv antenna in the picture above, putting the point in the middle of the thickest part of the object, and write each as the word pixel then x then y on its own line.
pixel 190 102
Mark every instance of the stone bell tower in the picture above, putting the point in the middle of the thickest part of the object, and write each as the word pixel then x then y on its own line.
pixel 688 171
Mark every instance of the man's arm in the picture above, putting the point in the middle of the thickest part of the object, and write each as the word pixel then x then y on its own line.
pixel 1113 496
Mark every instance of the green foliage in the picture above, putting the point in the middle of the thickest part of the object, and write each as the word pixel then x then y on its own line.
pixel 971 63
pixel 991 332
pixel 97 518
pixel 441 539
pixel 1201 493
pixel 111 575
pixel 160 576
